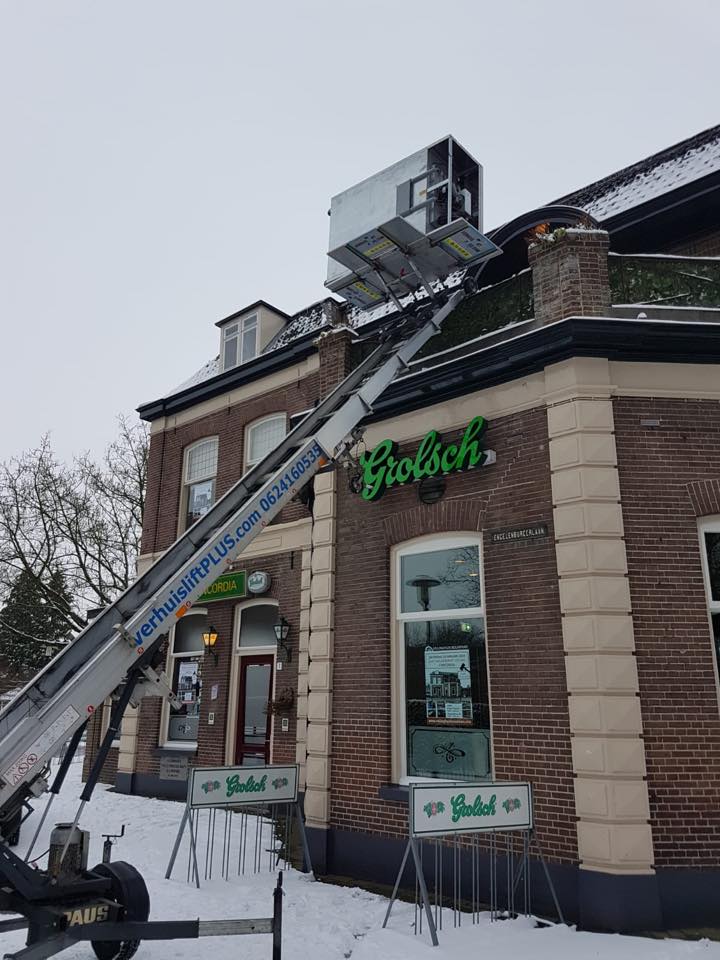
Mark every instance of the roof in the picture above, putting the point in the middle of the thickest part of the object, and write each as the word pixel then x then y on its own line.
pixel 252 306
pixel 674 167
pixel 670 169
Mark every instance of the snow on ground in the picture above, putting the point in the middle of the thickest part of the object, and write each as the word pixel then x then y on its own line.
pixel 321 921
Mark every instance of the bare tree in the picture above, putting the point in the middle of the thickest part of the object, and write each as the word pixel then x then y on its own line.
pixel 83 519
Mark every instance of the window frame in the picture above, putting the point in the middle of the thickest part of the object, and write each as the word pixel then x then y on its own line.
pixel 240 328
pixel 170 657
pixel 281 414
pixel 234 683
pixel 185 492
pixel 710 525
pixel 426 544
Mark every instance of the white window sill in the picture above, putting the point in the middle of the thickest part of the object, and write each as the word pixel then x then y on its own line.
pixel 187 746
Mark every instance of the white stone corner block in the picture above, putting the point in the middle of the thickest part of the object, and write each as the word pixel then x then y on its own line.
pixel 592 519
pixel 317 806
pixel 321 615
pixel 613 756
pixel 598 714
pixel 324 506
pixel 317 771
pixel 583 449
pixel 585 483
pixel 323 559
pixel 318 739
pixel 321 644
pixel 323 587
pixel 318 708
pixel 591 556
pixel 597 631
pixel 320 675
pixel 595 593
pixel 607 673
pixel 325 482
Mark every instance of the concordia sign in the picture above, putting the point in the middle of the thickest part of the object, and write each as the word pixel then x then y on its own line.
pixel 382 468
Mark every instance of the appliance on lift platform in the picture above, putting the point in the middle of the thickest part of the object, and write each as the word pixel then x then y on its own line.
pixel 412 224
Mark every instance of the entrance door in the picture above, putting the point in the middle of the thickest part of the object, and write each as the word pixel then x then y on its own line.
pixel 253 733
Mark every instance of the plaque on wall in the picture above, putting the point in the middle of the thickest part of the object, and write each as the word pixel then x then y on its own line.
pixel 513 534
pixel 173 768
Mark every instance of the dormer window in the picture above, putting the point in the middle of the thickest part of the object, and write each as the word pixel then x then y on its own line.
pixel 240 341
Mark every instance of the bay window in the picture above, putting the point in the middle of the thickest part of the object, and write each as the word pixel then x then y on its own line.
pixel 442 713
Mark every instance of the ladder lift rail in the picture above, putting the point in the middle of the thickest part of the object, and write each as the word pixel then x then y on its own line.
pixel 48 711
pixel 51 678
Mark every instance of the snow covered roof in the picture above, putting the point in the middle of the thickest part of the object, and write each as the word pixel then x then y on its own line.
pixel 661 173
pixel 630 187
pixel 311 320
pixel 206 372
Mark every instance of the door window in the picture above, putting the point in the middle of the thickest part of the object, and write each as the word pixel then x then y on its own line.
pixel 254 717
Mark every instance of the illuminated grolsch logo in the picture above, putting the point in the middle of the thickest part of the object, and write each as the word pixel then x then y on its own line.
pixel 382 468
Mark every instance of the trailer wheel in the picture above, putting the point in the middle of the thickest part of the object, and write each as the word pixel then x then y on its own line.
pixel 128 888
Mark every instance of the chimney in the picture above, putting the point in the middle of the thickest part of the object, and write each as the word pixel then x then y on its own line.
pixel 570 275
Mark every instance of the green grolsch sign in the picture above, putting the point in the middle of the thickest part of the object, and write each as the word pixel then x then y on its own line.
pixel 383 469
pixel 226 587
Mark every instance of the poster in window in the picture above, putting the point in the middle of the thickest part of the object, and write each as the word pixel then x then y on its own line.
pixel 188 681
pixel 448 686
pixel 200 498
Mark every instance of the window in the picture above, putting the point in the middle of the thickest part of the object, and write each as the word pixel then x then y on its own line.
pixel 185 668
pixel 240 341
pixel 443 713
pixel 263 436
pixel 257 625
pixel 710 538
pixel 199 484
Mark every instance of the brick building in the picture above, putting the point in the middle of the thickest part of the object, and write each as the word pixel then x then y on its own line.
pixel 554 607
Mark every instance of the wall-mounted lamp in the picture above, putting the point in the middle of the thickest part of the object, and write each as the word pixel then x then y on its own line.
pixel 282 629
pixel 210 639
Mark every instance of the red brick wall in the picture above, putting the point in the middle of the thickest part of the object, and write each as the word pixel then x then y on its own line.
pixel 285 588
pixel 679 699
pixel 701 245
pixel 527 673
pixel 165 465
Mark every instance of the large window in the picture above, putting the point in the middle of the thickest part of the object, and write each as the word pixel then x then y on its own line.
pixel 263 436
pixel 710 539
pixel 240 341
pixel 199 479
pixel 185 668
pixel 444 710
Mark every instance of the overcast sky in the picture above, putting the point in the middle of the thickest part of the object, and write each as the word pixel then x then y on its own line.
pixel 165 162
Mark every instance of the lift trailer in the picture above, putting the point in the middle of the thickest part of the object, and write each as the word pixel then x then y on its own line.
pixel 121 650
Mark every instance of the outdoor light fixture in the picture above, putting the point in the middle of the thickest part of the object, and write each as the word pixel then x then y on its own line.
pixel 424 584
pixel 210 639
pixel 282 629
